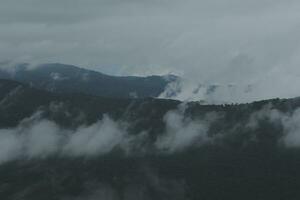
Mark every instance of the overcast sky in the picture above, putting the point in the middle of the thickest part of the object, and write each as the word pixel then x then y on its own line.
pixel 209 41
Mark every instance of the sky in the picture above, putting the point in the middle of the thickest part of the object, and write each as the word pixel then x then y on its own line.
pixel 226 42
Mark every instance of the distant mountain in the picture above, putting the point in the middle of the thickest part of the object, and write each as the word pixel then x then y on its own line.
pixel 62 78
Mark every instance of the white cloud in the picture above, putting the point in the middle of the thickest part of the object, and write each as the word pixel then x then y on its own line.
pixel 35 137
pixel 38 138
pixel 183 132
pixel 10 146
pixel 289 121
pixel 292 126
pixel 99 138
pixel 42 139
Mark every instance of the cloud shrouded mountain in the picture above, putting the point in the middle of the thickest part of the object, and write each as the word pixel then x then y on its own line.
pixel 205 41
pixel 74 146
pixel 71 79
pixel 63 78
pixel 69 133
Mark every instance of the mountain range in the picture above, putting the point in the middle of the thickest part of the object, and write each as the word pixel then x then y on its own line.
pixel 61 78
pixel 153 149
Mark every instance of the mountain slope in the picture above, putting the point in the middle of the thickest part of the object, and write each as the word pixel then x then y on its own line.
pixel 70 79
pixel 19 101
pixel 245 154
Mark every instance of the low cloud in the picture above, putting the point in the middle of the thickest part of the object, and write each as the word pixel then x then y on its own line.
pixel 288 122
pixel 98 138
pixel 292 125
pixel 183 132
pixel 36 137
pixel 39 138
pixel 232 91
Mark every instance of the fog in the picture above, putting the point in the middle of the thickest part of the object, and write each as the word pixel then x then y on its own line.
pixel 183 132
pixel 36 137
pixel 289 122
pixel 39 138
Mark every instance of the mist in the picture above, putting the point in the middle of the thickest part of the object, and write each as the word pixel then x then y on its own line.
pixel 39 138
pixel 183 132
pixel 288 122
pixel 36 137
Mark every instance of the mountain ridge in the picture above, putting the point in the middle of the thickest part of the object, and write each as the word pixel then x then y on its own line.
pixel 240 154
pixel 63 78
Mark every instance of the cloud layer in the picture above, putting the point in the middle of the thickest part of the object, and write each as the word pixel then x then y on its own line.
pixel 207 41
pixel 36 137
pixel 39 138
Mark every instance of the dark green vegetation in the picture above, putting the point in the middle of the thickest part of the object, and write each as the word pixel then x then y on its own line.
pixel 70 79
pixel 19 101
pixel 203 174
pixel 232 167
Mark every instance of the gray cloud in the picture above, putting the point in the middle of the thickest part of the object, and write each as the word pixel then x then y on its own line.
pixel 99 138
pixel 183 132
pixel 288 121
pixel 39 138
pixel 240 42
pixel 36 137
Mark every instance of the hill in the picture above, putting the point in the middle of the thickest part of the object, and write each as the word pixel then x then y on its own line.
pixel 161 149
pixel 62 78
